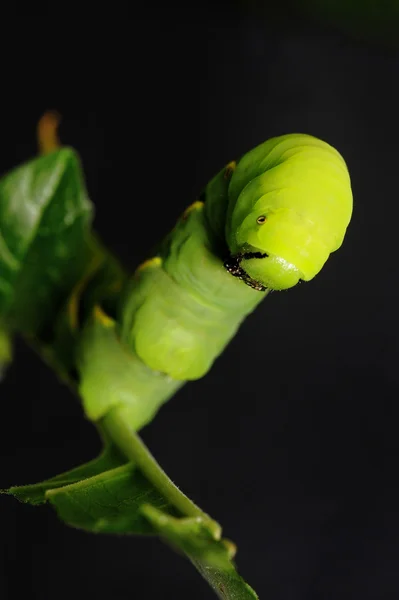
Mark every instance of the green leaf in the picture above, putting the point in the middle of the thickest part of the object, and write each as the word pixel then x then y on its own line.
pixel 47 213
pixel 109 502
pixel 100 496
pixel 35 493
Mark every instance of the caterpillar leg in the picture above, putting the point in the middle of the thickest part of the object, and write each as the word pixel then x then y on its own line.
pixel 47 132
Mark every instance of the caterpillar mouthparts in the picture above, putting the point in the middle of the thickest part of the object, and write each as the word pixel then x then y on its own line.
pixel 233 265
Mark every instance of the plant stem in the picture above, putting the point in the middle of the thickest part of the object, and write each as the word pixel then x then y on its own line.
pixel 128 441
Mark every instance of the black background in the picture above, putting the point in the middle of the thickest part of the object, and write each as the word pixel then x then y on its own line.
pixel 291 440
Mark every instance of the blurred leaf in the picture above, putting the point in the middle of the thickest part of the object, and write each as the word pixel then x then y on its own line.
pixel 48 214
pixel 36 493
pixel 101 495
pixel 372 20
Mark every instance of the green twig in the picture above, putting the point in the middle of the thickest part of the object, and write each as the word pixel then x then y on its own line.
pixel 135 450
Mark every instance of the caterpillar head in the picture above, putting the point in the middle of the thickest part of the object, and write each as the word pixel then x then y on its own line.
pixel 289 208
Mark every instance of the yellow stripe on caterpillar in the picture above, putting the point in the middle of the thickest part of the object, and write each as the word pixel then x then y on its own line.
pixel 102 317
pixel 150 263
pixel 197 205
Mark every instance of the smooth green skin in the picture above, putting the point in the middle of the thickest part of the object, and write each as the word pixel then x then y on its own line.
pixel 179 315
pixel 301 186
pixel 112 376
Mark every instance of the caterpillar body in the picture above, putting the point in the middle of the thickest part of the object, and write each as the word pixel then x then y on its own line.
pixel 278 213
pixel 263 223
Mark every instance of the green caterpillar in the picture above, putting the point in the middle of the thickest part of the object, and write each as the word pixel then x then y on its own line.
pixel 268 221
pixel 279 212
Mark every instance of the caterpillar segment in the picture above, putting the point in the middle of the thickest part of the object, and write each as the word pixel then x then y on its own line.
pixel 180 313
